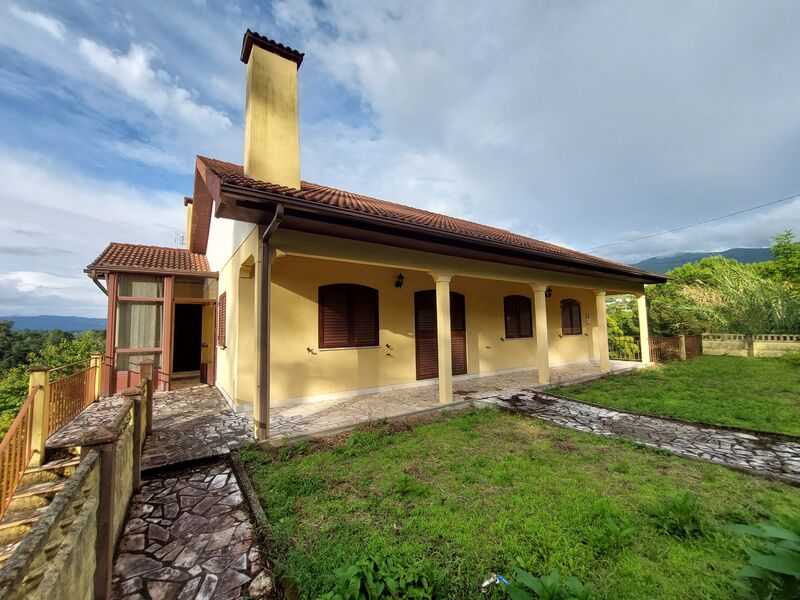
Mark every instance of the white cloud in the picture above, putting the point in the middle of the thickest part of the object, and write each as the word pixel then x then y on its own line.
pixel 135 75
pixel 46 204
pixel 152 155
pixel 51 25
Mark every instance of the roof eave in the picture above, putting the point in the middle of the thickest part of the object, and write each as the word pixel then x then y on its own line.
pixel 229 193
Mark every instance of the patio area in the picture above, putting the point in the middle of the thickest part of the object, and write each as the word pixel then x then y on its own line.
pixel 196 422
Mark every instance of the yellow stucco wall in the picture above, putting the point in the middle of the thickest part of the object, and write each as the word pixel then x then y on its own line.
pixel 239 383
pixel 297 373
pixel 271 138
pixel 305 261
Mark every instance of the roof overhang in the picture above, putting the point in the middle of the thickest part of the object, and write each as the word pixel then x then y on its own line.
pixel 258 206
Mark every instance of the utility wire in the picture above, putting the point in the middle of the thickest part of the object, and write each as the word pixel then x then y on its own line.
pixel 733 214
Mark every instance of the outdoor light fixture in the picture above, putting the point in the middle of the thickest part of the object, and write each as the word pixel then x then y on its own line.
pixel 548 292
pixel 398 283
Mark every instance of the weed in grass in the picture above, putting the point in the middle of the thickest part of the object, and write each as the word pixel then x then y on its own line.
pixel 383 575
pixel 407 486
pixel 679 517
pixel 547 587
pixel 621 467
pixel 774 567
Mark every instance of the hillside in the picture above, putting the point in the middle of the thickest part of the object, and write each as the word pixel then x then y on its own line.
pixel 663 264
pixel 45 322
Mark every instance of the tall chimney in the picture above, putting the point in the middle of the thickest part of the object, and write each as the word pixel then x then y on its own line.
pixel 271 139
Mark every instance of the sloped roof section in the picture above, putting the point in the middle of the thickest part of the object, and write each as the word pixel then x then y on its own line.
pixel 135 258
pixel 232 174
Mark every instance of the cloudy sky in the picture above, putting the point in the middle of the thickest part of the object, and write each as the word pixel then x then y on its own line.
pixel 581 123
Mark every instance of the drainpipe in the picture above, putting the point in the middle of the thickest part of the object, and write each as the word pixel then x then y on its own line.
pixel 262 423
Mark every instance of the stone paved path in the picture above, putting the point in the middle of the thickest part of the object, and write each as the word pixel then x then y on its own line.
pixel 189 535
pixel 193 423
pixel 775 456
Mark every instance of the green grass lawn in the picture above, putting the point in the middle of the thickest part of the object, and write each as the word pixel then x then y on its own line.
pixel 473 492
pixel 752 393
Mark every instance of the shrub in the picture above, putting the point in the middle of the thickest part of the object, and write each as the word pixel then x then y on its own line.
pixel 774 566
pixel 547 587
pixel 385 576
pixel 679 517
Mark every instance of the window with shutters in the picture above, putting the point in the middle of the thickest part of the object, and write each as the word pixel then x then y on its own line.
pixel 570 317
pixel 348 316
pixel 519 323
pixel 222 316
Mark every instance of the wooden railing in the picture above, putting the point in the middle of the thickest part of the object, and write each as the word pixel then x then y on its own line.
pixel 71 393
pixel 665 349
pixel 16 451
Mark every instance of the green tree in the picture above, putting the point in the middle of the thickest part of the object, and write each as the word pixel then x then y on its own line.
pixel 785 267
pixel 738 299
pixel 14 381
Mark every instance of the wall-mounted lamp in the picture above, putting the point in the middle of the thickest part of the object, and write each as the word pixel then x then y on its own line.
pixel 398 283
pixel 548 292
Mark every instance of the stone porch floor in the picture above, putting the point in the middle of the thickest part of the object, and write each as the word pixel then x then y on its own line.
pixel 316 417
pixel 196 422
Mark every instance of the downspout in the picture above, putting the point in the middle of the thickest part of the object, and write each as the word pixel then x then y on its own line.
pixel 262 424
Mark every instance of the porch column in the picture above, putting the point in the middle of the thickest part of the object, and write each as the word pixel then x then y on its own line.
pixel 602 330
pixel 444 343
pixel 644 333
pixel 540 317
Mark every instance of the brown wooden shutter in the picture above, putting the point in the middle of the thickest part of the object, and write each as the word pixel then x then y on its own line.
pixel 511 311
pixel 525 317
pixel 458 333
pixel 425 334
pixel 570 317
pixel 222 320
pixel 364 302
pixel 348 316
pixel 334 317
pixel 517 310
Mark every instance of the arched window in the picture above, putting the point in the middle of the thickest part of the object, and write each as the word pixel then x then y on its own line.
pixel 519 323
pixel 348 316
pixel 570 317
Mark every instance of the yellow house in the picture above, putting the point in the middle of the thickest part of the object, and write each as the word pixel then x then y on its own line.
pixel 320 293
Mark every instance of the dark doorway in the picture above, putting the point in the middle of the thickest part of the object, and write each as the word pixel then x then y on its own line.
pixel 425 334
pixel 188 337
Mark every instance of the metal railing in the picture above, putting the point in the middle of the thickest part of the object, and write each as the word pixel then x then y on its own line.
pixel 16 451
pixel 70 394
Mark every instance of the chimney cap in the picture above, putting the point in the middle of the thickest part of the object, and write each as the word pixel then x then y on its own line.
pixel 252 38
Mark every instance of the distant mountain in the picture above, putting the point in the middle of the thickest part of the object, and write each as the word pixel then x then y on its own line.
pixel 662 264
pixel 42 322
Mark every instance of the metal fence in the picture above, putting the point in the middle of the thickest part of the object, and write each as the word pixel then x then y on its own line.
pixel 662 349
pixel 16 451
pixel 70 393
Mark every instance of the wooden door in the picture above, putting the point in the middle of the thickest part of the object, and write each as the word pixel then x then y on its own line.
pixel 425 334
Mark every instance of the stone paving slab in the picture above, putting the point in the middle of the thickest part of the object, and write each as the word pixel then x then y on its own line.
pixel 769 455
pixel 193 423
pixel 189 535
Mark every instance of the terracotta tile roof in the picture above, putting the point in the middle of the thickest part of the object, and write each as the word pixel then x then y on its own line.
pixel 253 38
pixel 233 174
pixel 135 257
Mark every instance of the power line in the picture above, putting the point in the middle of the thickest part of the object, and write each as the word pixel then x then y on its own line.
pixel 733 214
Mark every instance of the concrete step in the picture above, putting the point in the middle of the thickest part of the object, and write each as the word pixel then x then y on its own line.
pixel 15 525
pixel 56 470
pixel 36 495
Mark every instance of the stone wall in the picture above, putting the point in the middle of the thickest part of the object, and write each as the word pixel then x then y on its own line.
pixel 67 554
pixel 56 559
pixel 764 345
pixel 123 476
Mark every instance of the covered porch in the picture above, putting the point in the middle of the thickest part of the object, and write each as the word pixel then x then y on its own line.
pixel 197 422
pixel 330 416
